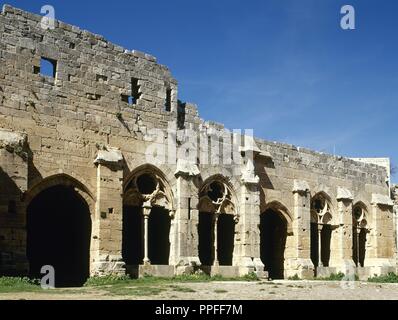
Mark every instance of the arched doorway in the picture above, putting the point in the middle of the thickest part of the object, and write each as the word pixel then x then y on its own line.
pixel 359 232
pixel 321 230
pixel 146 219
pixel 217 220
pixel 58 234
pixel 273 234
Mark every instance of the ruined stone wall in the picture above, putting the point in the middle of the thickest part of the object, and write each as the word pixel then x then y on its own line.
pixel 67 119
pixel 77 128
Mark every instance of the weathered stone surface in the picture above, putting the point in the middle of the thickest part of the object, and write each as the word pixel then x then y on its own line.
pixel 212 200
pixel 109 156
pixel 344 194
pixel 381 199
pixel 186 168
pixel 300 186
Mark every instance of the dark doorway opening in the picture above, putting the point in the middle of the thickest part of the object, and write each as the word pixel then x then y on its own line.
pixel 158 236
pixel 225 239
pixel 362 247
pixel 206 238
pixel 314 244
pixel 326 236
pixel 273 234
pixel 132 243
pixel 58 234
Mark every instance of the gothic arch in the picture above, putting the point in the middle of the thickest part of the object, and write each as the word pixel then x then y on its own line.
pixel 362 217
pixel 224 174
pixel 217 195
pixel 283 211
pixel 162 195
pixel 59 213
pixel 64 180
pixel 218 215
pixel 321 229
pixel 148 213
pixel 321 208
pixel 360 228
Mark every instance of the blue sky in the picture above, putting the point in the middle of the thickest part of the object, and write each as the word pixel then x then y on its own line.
pixel 284 68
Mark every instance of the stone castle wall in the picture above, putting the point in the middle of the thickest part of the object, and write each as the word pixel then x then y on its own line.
pixel 78 129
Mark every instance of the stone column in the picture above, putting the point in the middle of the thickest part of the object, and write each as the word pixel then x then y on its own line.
pixel 342 239
pixel 298 261
pixel 106 248
pixel 247 251
pixel 215 242
pixel 395 210
pixel 146 211
pixel 358 248
pixel 185 255
pixel 381 252
pixel 320 227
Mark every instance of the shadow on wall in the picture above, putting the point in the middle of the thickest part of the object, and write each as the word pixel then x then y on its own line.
pixel 10 199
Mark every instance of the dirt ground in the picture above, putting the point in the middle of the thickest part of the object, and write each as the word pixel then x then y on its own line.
pixel 260 290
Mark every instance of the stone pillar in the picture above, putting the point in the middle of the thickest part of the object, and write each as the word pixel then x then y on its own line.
pixel 146 211
pixel 395 209
pixel 106 248
pixel 247 242
pixel 381 252
pixel 185 255
pixel 298 260
pixel 320 227
pixel 215 242
pixel 342 236
pixel 247 239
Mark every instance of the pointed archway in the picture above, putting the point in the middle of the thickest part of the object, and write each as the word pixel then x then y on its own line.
pixel 58 234
pixel 321 230
pixel 217 220
pixel 273 235
pixel 359 234
pixel 147 216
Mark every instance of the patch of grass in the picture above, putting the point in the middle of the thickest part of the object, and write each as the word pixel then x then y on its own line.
pixel 389 278
pixel 295 277
pixel 272 292
pixel 106 280
pixel 181 289
pixel 134 291
pixel 206 278
pixel 197 277
pixel 252 276
pixel 220 291
pixel 333 277
pixel 15 284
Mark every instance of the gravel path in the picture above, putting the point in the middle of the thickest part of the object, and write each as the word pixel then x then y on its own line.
pixel 264 290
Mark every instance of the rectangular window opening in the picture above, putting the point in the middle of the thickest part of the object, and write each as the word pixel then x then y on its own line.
pixel 135 93
pixel 167 105
pixel 189 208
pixel 48 68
